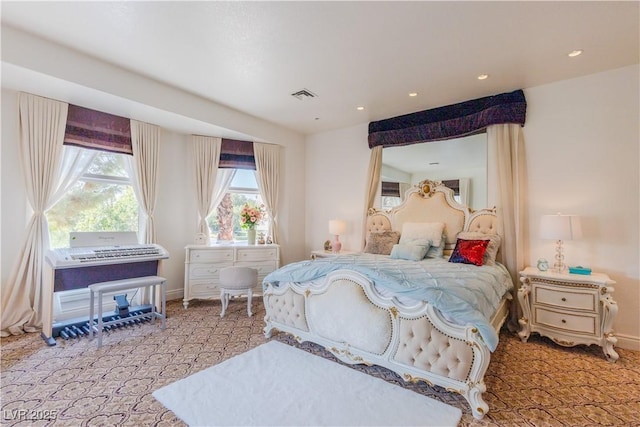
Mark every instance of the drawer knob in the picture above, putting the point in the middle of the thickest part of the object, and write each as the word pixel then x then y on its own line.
pixel 564 299
pixel 564 321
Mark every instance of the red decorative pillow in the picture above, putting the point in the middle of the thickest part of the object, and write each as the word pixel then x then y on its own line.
pixel 469 251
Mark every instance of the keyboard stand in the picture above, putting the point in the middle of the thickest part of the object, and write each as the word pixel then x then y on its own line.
pixel 124 285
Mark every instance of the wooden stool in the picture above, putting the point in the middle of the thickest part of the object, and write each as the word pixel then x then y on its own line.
pixel 236 281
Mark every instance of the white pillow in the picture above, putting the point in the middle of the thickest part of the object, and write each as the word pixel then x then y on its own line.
pixel 422 233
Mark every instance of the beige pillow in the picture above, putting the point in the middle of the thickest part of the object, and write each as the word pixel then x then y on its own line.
pixel 422 233
pixel 381 243
pixel 492 249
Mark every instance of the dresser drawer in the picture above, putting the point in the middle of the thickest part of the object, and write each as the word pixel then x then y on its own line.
pixel 584 324
pixel 575 300
pixel 211 256
pixel 204 289
pixel 206 271
pixel 245 254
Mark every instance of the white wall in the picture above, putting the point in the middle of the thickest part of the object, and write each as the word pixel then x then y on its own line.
pixel 581 141
pixel 336 167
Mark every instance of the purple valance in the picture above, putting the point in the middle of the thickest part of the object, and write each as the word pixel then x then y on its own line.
pixel 97 130
pixel 452 121
pixel 236 154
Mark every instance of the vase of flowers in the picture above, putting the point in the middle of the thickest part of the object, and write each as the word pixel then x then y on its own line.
pixel 250 216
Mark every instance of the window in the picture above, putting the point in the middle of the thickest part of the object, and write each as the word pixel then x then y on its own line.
pixel 224 222
pixel 102 200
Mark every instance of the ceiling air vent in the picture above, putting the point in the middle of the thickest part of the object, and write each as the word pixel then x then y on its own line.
pixel 304 94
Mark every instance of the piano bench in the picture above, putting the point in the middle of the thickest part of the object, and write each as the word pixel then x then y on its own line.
pixel 124 285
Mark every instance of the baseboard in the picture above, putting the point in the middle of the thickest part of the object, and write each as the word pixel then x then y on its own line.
pixel 628 342
pixel 173 294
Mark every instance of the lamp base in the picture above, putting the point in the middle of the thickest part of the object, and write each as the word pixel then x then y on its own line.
pixel 336 245
pixel 559 266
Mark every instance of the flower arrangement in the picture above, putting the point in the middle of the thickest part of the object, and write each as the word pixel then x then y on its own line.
pixel 251 215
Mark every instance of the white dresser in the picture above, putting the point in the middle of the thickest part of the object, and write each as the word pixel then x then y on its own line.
pixel 203 263
pixel 570 309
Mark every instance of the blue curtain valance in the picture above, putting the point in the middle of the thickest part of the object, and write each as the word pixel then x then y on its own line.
pixel 452 121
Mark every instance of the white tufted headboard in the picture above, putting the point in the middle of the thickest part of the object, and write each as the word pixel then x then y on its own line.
pixel 431 201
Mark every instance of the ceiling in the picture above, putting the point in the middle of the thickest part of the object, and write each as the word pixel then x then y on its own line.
pixel 251 56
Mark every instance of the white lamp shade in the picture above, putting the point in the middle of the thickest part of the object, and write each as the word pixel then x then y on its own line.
pixel 560 227
pixel 337 227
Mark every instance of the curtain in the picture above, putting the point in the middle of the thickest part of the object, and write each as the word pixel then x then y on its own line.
pixel 373 180
pixel 42 127
pixel 223 182
pixel 267 157
pixel 96 130
pixel 451 121
pixel 145 141
pixel 206 157
pixel 463 184
pixel 236 154
pixel 75 162
pixel 404 187
pixel 506 191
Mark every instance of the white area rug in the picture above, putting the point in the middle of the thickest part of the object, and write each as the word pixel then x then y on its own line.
pixel 276 384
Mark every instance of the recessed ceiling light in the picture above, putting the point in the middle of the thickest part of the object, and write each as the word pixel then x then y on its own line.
pixel 360 108
pixel 413 94
pixel 483 76
pixel 575 53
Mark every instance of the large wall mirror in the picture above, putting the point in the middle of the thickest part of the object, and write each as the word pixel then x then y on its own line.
pixel 459 163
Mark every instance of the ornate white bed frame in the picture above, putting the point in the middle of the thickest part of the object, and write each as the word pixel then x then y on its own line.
pixel 352 320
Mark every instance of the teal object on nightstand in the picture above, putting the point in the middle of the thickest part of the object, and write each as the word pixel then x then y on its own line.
pixel 580 270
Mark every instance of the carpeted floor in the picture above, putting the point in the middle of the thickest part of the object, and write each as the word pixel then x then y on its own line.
pixel 76 384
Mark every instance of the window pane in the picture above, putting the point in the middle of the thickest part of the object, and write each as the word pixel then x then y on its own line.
pixel 244 178
pixel 95 205
pixel 224 222
pixel 108 164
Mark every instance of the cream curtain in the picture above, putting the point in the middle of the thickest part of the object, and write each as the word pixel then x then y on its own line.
pixel 145 141
pixel 42 127
pixel 506 191
pixel 267 157
pixel 403 188
pixel 373 181
pixel 206 157
pixel 223 181
pixel 463 184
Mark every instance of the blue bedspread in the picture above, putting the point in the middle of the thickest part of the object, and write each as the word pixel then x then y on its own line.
pixel 467 293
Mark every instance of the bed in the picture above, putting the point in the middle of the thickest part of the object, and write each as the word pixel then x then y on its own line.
pixel 402 304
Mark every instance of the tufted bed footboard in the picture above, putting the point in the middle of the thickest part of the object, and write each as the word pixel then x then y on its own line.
pixel 351 319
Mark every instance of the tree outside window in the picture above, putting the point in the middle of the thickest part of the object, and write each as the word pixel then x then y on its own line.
pixel 224 223
pixel 102 200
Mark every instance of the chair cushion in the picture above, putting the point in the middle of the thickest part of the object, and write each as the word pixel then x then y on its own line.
pixel 238 277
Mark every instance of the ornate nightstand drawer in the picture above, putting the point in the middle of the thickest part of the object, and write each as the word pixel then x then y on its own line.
pixel 570 309
pixel 211 256
pixel 583 324
pixel 566 299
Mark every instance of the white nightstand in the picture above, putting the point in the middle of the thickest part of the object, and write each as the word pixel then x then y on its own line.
pixel 328 254
pixel 570 309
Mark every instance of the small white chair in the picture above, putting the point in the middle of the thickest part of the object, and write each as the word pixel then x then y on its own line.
pixel 236 281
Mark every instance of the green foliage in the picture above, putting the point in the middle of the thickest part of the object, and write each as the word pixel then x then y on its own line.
pixel 91 206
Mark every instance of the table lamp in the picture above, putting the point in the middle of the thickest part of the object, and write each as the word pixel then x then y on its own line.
pixel 560 227
pixel 337 227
